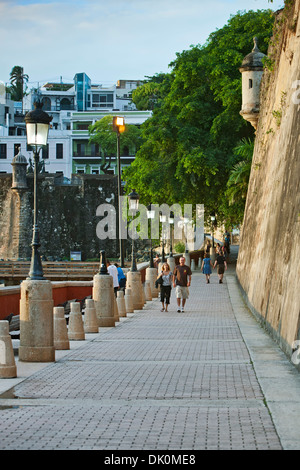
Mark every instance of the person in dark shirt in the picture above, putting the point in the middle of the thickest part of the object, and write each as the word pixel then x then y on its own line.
pixel 182 281
pixel 221 267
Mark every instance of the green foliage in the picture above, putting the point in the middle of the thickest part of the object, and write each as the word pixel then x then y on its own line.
pixel 179 247
pixel 189 143
pixel 18 83
pixel 237 184
pixel 102 133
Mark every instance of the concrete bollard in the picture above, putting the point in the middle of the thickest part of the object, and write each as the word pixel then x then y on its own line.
pixel 90 318
pixel 147 288
pixel 121 304
pixel 103 297
pixel 171 263
pixel 76 329
pixel 8 367
pixel 128 301
pixel 193 267
pixel 199 262
pixel 143 293
pixel 134 283
pixel 60 329
pixel 151 275
pixel 187 259
pixel 36 321
pixel 116 310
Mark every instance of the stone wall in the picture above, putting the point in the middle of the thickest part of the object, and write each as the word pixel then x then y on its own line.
pixel 268 266
pixel 67 216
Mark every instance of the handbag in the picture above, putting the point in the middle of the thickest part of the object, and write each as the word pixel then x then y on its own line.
pixel 159 281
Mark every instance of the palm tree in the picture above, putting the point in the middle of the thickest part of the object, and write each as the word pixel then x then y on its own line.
pixel 237 184
pixel 17 80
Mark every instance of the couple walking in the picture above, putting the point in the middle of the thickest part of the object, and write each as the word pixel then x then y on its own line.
pixel 181 279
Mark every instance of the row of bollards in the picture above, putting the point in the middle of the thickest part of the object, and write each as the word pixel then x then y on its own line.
pixel 103 310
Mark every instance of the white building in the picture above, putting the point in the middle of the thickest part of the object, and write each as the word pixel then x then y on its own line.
pixel 73 106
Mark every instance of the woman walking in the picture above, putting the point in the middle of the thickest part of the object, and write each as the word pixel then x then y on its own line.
pixel 165 288
pixel 206 267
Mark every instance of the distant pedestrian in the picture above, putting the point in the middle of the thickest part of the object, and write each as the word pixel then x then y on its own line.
pixel 206 267
pixel 121 277
pixel 221 266
pixel 227 241
pixel 112 270
pixel 208 247
pixel 156 261
pixel 166 286
pixel 182 281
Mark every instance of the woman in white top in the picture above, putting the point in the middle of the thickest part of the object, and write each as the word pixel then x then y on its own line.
pixel 165 288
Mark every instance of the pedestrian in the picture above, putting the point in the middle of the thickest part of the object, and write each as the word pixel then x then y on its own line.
pixel 121 277
pixel 218 248
pixel 208 247
pixel 227 241
pixel 156 261
pixel 206 267
pixel 166 286
pixel 182 281
pixel 221 266
pixel 112 270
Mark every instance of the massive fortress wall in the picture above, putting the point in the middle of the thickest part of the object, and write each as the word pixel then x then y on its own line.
pixel 268 266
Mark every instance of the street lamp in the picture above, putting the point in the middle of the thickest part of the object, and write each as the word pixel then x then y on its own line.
pixel 37 127
pixel 186 221
pixel 133 206
pixel 213 221
pixel 163 219
pixel 151 215
pixel 119 127
pixel 171 222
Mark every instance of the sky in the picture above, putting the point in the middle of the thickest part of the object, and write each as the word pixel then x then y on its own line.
pixel 109 40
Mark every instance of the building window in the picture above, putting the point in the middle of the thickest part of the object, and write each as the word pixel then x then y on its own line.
pixel 59 151
pixel 3 151
pixel 80 169
pixel 17 148
pixel 103 100
pixel 45 152
pixel 95 170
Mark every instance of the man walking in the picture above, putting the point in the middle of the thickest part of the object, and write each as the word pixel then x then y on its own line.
pixel 182 281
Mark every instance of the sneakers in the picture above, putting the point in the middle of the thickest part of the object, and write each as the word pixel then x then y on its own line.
pixel 182 309
pixel 178 310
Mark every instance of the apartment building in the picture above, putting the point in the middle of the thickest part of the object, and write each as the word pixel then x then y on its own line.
pixel 73 107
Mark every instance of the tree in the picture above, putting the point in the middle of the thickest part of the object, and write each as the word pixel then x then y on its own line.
pixel 188 148
pixel 237 184
pixel 102 133
pixel 18 83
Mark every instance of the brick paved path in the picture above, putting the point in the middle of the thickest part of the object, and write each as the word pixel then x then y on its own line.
pixel 170 381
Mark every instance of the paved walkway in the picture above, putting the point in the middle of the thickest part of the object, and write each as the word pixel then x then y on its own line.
pixel 208 378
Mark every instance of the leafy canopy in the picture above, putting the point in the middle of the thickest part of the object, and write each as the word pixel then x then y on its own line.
pixel 188 144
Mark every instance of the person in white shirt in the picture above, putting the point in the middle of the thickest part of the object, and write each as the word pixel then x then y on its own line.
pixel 113 271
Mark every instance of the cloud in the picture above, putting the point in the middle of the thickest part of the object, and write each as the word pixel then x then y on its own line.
pixel 107 40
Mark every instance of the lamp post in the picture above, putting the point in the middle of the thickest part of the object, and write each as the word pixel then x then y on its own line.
pixel 163 220
pixel 151 215
pixel 37 127
pixel 213 219
pixel 171 222
pixel 119 127
pixel 133 206
pixel 36 301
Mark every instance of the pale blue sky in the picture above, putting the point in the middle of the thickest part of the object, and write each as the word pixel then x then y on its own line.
pixel 107 39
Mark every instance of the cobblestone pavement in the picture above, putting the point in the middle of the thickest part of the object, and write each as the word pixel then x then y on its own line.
pixel 156 380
